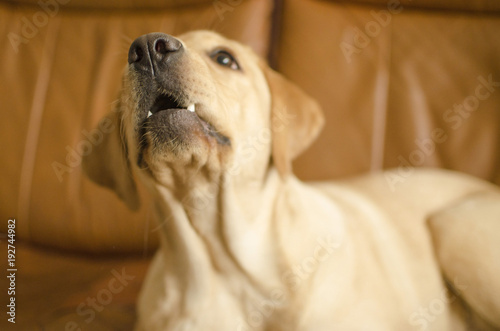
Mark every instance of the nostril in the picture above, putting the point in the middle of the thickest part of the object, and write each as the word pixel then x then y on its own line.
pixel 161 46
pixel 136 54
pixel 139 53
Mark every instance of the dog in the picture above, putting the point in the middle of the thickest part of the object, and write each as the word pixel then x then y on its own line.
pixel 210 131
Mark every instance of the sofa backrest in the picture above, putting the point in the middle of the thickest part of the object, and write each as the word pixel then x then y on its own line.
pixel 403 85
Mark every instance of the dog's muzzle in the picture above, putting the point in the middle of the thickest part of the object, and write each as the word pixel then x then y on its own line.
pixel 166 115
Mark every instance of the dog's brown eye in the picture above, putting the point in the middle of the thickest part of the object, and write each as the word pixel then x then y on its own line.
pixel 224 58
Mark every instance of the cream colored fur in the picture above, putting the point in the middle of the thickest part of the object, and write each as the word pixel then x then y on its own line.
pixel 245 245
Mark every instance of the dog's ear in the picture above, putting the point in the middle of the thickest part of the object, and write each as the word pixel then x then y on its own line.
pixel 296 120
pixel 108 165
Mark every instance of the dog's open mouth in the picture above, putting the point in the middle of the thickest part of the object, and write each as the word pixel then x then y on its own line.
pixel 168 103
pixel 171 121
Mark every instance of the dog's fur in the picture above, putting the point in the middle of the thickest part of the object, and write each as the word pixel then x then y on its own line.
pixel 247 246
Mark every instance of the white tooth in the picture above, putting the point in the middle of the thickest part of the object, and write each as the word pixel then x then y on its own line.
pixel 191 107
pixel 150 113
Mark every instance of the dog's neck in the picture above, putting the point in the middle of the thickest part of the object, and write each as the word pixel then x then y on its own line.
pixel 222 227
pixel 239 243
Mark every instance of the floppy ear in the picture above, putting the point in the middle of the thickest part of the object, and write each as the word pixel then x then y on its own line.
pixel 108 163
pixel 296 120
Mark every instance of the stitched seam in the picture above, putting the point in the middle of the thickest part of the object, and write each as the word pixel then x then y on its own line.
pixel 381 108
pixel 34 125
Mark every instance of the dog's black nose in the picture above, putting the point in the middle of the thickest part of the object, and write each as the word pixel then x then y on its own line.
pixel 151 50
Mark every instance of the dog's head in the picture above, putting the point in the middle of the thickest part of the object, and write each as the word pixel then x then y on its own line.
pixel 200 104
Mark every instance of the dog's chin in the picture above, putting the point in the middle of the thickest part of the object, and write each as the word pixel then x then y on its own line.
pixel 178 137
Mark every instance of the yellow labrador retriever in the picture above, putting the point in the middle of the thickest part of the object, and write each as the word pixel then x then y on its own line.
pixel 211 131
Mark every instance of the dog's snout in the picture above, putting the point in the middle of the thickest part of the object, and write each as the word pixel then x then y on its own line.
pixel 152 51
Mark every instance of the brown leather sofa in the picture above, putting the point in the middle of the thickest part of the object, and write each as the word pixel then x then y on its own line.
pixel 403 84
